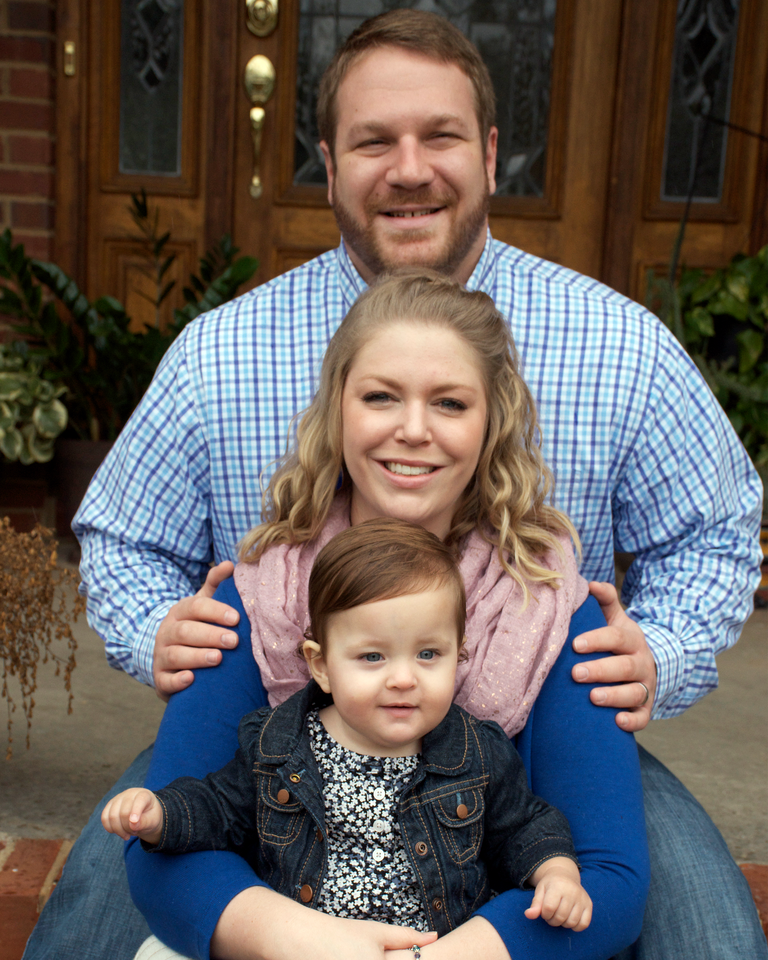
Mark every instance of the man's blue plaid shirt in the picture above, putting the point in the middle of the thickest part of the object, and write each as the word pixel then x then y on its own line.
pixel 644 459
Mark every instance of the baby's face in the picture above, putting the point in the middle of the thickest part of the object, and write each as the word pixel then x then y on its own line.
pixel 391 667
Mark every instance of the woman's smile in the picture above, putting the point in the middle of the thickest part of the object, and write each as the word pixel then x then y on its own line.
pixel 413 424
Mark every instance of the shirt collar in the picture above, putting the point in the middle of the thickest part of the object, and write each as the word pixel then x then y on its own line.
pixel 350 281
pixel 352 284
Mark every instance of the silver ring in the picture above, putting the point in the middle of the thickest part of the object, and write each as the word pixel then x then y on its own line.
pixel 647 693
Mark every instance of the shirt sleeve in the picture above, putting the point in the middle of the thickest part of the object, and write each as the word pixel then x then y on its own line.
pixel 183 897
pixel 144 525
pixel 582 763
pixel 688 506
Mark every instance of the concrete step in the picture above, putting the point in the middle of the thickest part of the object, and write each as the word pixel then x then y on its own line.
pixel 29 870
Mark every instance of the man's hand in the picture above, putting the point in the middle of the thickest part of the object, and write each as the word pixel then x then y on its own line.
pixel 632 665
pixel 188 637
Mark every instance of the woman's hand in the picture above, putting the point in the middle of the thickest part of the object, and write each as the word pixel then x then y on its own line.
pixel 475 938
pixel 188 637
pixel 260 924
pixel 632 668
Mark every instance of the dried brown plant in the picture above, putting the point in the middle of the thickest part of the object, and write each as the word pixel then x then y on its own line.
pixel 36 610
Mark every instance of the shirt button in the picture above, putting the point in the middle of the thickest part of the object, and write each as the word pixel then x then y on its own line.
pixel 379 826
pixel 379 793
pixel 421 848
pixel 283 796
pixel 378 855
pixel 306 893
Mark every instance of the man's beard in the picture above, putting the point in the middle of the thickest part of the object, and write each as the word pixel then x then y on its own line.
pixel 361 237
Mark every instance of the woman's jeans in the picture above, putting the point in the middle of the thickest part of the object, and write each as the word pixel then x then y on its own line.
pixel 699 904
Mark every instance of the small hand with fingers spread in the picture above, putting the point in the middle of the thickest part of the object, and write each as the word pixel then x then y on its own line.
pixel 632 668
pixel 189 638
pixel 134 813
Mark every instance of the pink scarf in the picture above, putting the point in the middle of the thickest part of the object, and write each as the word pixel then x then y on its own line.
pixel 509 651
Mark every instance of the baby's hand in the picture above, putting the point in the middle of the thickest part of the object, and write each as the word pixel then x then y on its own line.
pixel 134 813
pixel 559 898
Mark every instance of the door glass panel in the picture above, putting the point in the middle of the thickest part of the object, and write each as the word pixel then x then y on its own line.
pixel 151 38
pixel 702 76
pixel 516 40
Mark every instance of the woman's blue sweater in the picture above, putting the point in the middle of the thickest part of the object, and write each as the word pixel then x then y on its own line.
pixel 576 757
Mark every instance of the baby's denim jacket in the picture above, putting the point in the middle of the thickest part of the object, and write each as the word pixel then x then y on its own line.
pixel 470 824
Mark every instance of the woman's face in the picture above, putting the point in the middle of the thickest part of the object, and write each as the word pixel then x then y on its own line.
pixel 413 415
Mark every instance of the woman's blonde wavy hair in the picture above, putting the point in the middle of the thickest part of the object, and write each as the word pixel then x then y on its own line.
pixel 506 499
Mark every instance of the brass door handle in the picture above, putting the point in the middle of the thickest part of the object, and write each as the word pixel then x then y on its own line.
pixel 259 82
pixel 261 16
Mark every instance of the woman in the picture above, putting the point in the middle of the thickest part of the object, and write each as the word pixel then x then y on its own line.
pixel 422 411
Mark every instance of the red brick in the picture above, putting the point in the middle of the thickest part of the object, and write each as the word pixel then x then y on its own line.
pixel 757 878
pixel 37 150
pixel 26 183
pixel 30 49
pixel 36 245
pixel 30 16
pixel 25 116
pixel 35 84
pixel 24 874
pixel 36 216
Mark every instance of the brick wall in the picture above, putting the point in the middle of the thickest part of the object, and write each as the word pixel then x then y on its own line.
pixel 27 122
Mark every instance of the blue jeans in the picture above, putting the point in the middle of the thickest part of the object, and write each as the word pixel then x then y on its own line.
pixel 699 906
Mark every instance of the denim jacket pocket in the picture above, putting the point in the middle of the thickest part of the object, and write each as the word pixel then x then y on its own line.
pixel 459 815
pixel 280 815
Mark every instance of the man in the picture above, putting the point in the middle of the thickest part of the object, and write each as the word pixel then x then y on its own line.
pixel 645 460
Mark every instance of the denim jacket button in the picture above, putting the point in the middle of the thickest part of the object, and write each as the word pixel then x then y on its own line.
pixel 283 796
pixel 437 905
pixel 306 893
pixel 319 833
pixel 295 778
pixel 421 848
pixel 461 811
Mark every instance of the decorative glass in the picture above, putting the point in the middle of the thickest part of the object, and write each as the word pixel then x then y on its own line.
pixel 516 40
pixel 151 63
pixel 702 77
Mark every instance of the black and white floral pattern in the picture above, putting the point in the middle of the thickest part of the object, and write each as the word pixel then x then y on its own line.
pixel 369 876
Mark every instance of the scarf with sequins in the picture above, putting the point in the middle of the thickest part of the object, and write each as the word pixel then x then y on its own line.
pixel 509 651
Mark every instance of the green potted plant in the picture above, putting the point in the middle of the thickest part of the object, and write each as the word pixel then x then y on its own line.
pixel 31 413
pixel 90 347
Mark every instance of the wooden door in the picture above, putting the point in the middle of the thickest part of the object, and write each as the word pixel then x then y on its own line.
pixel 642 219
pixel 586 198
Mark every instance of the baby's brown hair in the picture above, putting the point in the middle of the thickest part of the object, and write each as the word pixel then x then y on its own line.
pixel 377 560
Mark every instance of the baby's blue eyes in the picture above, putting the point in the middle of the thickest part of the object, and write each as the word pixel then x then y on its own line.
pixel 422 655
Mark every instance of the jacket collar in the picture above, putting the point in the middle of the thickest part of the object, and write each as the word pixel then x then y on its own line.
pixel 446 749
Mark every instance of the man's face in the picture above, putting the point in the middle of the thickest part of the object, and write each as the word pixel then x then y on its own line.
pixel 412 178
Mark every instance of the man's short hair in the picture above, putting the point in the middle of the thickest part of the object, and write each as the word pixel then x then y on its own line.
pixel 420 32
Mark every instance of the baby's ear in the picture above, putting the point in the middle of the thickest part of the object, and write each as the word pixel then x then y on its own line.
pixel 313 654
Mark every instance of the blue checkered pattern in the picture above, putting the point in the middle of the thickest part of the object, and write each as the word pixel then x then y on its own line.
pixel 645 461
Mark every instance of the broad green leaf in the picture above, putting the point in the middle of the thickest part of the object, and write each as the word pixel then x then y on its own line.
pixel 12 443
pixel 751 345
pixel 50 418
